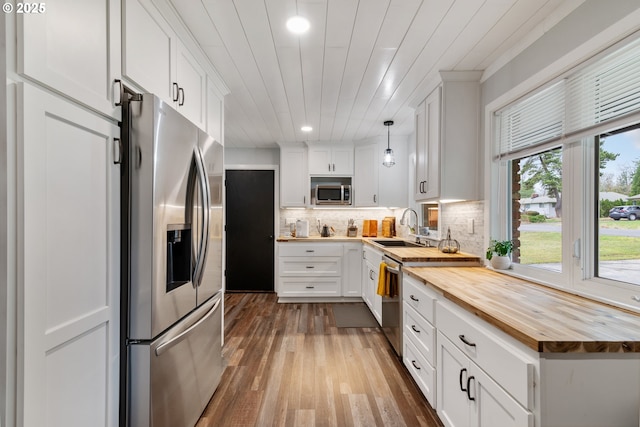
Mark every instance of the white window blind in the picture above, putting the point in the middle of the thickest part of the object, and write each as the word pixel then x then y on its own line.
pixel 533 120
pixel 607 89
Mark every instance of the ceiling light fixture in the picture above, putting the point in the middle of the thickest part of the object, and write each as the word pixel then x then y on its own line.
pixel 298 24
pixel 306 128
pixel 389 159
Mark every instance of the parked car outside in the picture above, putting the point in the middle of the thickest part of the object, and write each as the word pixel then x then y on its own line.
pixel 630 212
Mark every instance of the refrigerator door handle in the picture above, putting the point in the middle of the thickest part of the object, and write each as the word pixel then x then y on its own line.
pixel 163 347
pixel 203 245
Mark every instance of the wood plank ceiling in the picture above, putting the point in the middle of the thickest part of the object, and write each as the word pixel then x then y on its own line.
pixel 362 61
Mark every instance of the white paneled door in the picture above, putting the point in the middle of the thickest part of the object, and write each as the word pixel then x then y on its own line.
pixel 68 264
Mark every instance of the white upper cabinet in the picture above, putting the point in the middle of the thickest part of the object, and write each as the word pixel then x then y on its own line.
pixel 447 139
pixel 82 63
pixel 156 61
pixel 191 81
pixel 294 179
pixel 330 160
pixel 365 191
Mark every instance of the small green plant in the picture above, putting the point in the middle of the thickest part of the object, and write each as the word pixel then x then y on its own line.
pixel 499 247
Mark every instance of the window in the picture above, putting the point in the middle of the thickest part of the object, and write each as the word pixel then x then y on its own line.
pixel 566 159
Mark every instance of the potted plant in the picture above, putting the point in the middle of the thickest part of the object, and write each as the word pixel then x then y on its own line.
pixel 498 253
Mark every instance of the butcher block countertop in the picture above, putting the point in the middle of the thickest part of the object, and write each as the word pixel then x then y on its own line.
pixel 406 255
pixel 545 319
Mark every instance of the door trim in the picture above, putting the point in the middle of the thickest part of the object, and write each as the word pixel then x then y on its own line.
pixel 276 212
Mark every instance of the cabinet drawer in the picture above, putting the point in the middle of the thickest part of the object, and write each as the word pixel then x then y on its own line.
pixel 503 361
pixel 310 250
pixel 310 266
pixel 419 297
pixel 422 372
pixel 420 332
pixel 302 287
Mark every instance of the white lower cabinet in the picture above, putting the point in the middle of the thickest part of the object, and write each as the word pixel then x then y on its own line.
pixel 309 270
pixel 319 269
pixel 352 271
pixel 370 272
pixel 483 379
pixel 419 335
pixel 467 396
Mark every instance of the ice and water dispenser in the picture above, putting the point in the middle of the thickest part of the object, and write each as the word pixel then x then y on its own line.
pixel 178 255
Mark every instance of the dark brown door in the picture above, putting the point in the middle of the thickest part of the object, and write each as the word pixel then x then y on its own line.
pixel 250 230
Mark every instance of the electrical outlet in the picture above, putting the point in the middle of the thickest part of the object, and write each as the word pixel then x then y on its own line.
pixel 470 229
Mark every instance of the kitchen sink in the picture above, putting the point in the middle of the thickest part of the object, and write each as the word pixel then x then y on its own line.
pixel 398 243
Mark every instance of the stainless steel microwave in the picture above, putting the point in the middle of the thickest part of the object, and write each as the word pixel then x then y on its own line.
pixel 333 194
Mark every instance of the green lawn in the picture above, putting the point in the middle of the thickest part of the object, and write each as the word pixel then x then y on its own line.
pixel 545 247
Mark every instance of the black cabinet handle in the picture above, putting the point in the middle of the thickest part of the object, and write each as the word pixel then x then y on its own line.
pixel 414 329
pixel 310 266
pixel 469 387
pixel 176 89
pixel 462 371
pixel 414 298
pixel 413 362
pixel 466 341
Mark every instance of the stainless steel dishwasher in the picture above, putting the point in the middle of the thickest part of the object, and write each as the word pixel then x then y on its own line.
pixel 392 308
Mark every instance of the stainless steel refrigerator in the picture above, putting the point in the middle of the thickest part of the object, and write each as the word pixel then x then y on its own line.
pixel 172 286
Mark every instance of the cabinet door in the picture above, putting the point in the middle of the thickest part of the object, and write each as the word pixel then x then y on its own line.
pixel 372 285
pixel 342 161
pixel 493 406
pixel 294 180
pixel 69 271
pixel 320 161
pixel 81 63
pixel 191 80
pixel 351 273
pixel 148 49
pixel 431 188
pixel 452 375
pixel 215 112
pixel 365 186
pixel 421 152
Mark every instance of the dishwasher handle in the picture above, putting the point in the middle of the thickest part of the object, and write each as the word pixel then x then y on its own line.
pixel 393 266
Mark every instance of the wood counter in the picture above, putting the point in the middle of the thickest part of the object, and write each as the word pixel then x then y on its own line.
pixel 405 255
pixel 545 319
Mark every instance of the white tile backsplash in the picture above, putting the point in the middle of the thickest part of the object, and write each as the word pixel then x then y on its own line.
pixel 453 215
pixel 339 219
pixel 456 216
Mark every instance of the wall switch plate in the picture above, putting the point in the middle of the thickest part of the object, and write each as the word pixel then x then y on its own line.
pixel 470 226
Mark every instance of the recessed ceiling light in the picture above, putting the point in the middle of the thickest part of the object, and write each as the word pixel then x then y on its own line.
pixel 306 128
pixel 298 24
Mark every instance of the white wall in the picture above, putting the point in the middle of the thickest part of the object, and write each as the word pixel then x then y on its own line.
pixel 251 156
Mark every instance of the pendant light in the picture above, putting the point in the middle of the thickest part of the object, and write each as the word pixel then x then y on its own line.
pixel 388 159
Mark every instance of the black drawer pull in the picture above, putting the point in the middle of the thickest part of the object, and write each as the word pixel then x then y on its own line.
pixel 415 329
pixel 310 266
pixel 413 362
pixel 462 371
pixel 309 250
pixel 310 287
pixel 467 342
pixel 414 298
pixel 469 387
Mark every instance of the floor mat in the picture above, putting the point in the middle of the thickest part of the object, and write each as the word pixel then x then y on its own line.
pixel 349 315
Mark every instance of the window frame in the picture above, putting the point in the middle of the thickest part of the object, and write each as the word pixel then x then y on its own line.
pixel 580 202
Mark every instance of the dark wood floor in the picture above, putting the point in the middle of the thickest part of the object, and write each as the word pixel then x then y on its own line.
pixel 288 365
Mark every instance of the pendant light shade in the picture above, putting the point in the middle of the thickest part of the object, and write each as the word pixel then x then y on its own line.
pixel 388 159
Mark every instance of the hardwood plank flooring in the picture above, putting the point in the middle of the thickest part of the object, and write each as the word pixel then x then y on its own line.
pixel 289 365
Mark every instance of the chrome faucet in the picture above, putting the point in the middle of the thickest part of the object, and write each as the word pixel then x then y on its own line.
pixel 402 220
